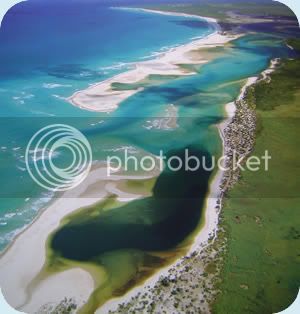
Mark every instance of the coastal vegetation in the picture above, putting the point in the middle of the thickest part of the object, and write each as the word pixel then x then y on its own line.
pixel 237 256
pixel 202 268
pixel 228 11
pixel 252 264
pixel 66 306
pixel 260 273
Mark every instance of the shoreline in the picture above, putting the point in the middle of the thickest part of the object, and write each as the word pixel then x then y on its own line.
pixel 31 242
pixel 170 13
pixel 25 257
pixel 101 97
pixel 207 231
pixel 208 228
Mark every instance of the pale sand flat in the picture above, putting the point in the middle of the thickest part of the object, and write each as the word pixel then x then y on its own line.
pixel 23 260
pixel 100 97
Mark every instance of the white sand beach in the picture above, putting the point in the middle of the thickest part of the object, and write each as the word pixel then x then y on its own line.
pixel 102 98
pixel 208 229
pixel 26 256
pixel 208 19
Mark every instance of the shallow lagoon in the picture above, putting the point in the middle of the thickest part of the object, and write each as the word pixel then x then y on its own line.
pixel 146 234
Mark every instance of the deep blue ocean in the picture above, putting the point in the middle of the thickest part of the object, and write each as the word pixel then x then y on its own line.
pixel 74 44
pixel 50 49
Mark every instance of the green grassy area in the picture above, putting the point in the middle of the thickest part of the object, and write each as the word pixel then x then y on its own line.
pixel 295 43
pixel 260 273
pixel 222 10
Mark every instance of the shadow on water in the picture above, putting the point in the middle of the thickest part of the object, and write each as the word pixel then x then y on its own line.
pixel 155 223
pixel 129 243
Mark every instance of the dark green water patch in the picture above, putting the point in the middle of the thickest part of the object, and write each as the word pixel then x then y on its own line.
pixel 155 223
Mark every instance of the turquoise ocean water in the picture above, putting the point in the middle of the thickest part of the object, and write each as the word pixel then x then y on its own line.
pixel 50 49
